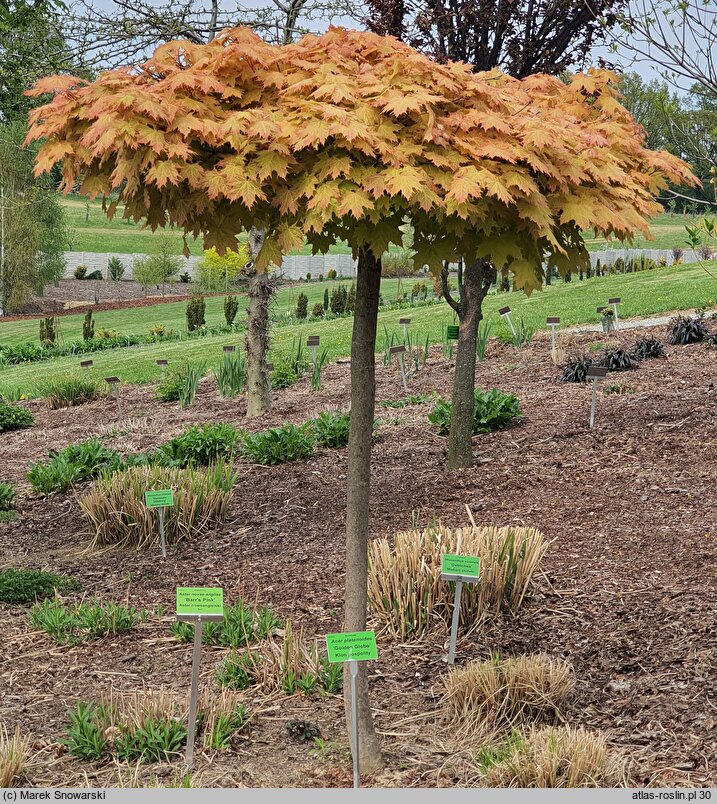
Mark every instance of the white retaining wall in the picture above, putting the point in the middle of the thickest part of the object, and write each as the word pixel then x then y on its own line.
pixel 298 266
pixel 292 268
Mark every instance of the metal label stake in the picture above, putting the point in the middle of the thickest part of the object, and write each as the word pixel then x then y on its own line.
pixel 163 366
pixel 461 569
pixel 353 670
pixel 160 499
pixel 87 364
pixel 400 351
pixel 114 384
pixel 404 322
pixel 615 301
pixel 195 605
pixel 194 691
pixel 313 342
pixel 552 322
pixel 505 312
pixel 595 373
pixel 359 646
pixel 163 542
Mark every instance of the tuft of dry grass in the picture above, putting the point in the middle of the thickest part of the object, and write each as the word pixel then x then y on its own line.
pixel 116 511
pixel 13 755
pixel 405 589
pixel 496 694
pixel 556 757
pixel 286 664
pixel 559 356
pixel 140 776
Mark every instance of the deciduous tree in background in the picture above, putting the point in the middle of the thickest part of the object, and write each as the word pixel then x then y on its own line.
pixel 33 228
pixel 351 136
pixel 520 37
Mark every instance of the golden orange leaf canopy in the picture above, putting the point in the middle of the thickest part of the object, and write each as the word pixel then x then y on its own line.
pixel 350 135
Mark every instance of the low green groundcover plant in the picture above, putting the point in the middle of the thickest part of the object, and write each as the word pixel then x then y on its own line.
pixel 279 444
pixel 150 728
pixel 174 382
pixel 25 586
pixel 83 622
pixel 331 429
pixel 411 399
pixel 155 740
pixel 7 495
pixel 73 464
pixel 198 446
pixel 492 410
pixel 240 626
pixel 14 417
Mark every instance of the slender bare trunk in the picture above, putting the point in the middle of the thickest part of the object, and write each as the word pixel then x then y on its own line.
pixel 363 397
pixel 257 333
pixel 473 284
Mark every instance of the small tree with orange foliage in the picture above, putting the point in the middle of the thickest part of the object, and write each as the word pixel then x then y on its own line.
pixel 349 136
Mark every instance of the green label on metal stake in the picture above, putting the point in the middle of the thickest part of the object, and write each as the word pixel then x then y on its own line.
pixel 465 566
pixel 159 499
pixel 452 332
pixel 359 646
pixel 197 600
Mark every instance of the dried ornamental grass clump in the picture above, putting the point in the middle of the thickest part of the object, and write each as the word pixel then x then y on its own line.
pixel 501 693
pixel 117 514
pixel 405 589
pixel 13 755
pixel 290 664
pixel 556 757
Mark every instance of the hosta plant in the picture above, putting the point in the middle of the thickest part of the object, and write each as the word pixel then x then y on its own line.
pixel 492 410
pixel 279 444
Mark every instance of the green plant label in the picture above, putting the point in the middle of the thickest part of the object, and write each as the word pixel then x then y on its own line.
pixel 159 499
pixel 359 646
pixel 452 332
pixel 465 566
pixel 192 600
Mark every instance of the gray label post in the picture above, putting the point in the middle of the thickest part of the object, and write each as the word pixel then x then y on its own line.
pixel 194 691
pixel 353 670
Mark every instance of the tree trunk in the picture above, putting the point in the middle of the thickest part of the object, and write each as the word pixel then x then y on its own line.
pixel 473 285
pixel 257 345
pixel 363 397
pixel 257 332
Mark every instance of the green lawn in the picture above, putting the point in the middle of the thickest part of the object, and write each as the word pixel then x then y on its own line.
pixel 646 293
pixel 94 233
pixel 138 320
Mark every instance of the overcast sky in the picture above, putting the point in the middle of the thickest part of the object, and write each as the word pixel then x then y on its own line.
pixel 623 60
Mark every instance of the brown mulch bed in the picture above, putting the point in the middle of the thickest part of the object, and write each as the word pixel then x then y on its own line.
pixel 74 296
pixel 628 592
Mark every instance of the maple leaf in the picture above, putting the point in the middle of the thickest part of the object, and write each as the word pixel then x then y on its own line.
pixel 162 173
pixel 465 184
pixel 403 180
pixel 55 84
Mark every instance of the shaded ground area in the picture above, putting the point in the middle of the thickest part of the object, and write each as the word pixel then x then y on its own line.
pixel 628 592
